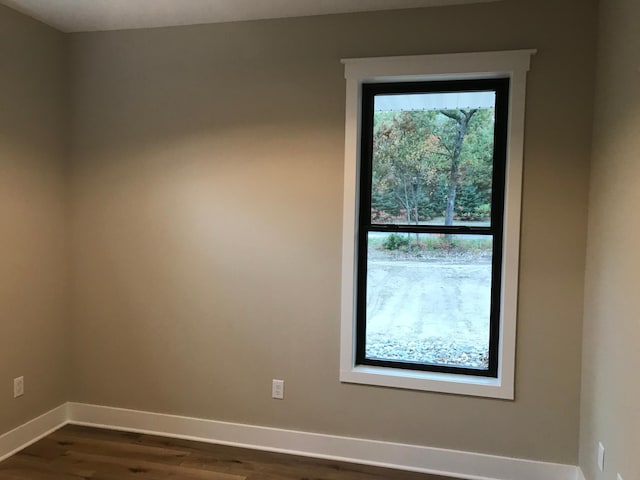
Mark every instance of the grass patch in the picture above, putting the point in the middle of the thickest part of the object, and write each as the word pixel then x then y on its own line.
pixel 410 242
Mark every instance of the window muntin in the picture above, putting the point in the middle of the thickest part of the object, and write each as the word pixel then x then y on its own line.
pixel 418 142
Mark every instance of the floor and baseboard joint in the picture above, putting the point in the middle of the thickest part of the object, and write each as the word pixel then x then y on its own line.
pixel 451 463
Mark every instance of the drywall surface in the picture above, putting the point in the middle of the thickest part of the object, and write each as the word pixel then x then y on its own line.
pixel 33 247
pixel 611 385
pixel 207 194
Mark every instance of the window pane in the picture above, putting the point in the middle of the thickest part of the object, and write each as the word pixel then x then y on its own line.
pixel 433 158
pixel 428 299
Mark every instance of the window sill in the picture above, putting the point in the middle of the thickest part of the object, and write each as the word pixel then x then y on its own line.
pixel 429 381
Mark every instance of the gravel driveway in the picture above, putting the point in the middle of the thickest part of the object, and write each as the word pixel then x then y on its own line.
pixel 433 310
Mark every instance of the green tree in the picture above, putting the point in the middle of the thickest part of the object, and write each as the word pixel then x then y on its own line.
pixel 401 145
pixel 428 163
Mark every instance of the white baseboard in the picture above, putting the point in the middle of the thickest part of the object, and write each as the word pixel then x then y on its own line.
pixel 24 435
pixel 452 463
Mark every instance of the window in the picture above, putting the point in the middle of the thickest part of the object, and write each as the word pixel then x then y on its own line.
pixel 430 225
pixel 433 166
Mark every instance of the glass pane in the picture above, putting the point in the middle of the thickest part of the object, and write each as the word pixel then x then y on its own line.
pixel 433 158
pixel 428 299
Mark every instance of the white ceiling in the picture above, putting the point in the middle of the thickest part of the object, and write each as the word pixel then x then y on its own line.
pixel 92 15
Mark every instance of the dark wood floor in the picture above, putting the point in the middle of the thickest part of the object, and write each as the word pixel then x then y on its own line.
pixel 75 453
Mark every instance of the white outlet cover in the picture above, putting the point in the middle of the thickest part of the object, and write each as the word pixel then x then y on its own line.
pixel 277 389
pixel 18 387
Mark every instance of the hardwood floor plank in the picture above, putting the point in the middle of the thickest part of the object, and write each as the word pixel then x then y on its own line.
pixel 124 464
pixel 113 447
pixel 22 468
pixel 83 453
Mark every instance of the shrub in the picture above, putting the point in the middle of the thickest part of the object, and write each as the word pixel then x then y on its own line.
pixel 484 210
pixel 395 242
pixel 479 213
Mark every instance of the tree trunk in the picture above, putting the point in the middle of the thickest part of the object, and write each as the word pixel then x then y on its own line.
pixel 463 118
pixel 407 202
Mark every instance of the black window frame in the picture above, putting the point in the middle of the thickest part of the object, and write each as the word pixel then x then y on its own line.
pixel 494 231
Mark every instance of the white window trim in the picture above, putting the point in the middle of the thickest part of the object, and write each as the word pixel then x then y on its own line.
pixel 513 64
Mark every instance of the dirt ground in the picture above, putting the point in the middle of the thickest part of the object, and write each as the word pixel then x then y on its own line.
pixel 429 310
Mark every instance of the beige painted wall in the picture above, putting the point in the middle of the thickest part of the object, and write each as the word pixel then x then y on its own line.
pixel 207 176
pixel 33 248
pixel 611 384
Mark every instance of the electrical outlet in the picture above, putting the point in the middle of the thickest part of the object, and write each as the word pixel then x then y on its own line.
pixel 601 456
pixel 277 389
pixel 18 387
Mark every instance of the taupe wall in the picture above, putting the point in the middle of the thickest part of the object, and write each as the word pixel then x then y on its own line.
pixel 207 183
pixel 33 248
pixel 611 384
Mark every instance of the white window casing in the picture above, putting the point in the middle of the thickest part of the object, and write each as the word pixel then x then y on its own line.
pixel 503 64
